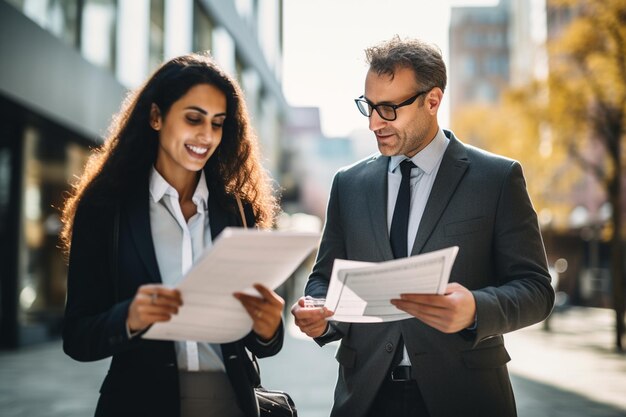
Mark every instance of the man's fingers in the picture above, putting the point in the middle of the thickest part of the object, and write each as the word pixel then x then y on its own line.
pixel 453 287
pixel 419 310
pixel 418 305
pixel 426 299
pixel 313 329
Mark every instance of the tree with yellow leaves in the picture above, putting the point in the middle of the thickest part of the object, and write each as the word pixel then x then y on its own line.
pixel 587 103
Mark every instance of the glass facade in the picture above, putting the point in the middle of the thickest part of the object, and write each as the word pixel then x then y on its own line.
pixel 202 29
pixel 98 32
pixel 61 17
pixel 156 33
pixel 38 161
pixel 49 162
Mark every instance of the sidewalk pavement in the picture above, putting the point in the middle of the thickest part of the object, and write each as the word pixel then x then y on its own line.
pixel 571 371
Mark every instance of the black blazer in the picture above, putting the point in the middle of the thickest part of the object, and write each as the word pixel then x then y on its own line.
pixel 143 376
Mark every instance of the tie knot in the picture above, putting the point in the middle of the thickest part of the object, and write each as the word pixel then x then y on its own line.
pixel 406 166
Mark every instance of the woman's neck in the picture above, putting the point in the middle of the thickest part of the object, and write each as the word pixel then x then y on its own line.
pixel 184 182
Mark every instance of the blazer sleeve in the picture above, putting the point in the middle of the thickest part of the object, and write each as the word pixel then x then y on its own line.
pixel 523 295
pixel 95 324
pixel 263 350
pixel 332 246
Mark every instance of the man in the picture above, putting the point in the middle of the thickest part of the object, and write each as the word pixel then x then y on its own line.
pixel 450 359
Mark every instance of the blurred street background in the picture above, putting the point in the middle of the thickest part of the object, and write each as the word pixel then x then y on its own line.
pixel 540 81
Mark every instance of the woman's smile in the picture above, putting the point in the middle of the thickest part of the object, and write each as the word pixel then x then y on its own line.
pixel 197 151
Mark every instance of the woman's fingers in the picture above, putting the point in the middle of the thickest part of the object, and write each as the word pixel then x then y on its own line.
pixel 152 303
pixel 265 311
pixel 270 296
pixel 159 295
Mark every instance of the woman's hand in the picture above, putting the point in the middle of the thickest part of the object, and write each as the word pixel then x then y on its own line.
pixel 152 303
pixel 266 312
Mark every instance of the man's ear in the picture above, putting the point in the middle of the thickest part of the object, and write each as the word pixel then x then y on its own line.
pixel 433 100
pixel 155 117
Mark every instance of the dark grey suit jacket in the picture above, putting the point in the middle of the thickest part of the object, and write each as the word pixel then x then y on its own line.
pixel 478 202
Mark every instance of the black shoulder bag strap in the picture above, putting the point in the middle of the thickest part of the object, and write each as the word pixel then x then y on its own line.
pixel 272 403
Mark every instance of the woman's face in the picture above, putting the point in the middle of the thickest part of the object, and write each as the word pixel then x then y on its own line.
pixel 190 132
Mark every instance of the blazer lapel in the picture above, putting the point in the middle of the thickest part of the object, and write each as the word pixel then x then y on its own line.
pixel 452 168
pixel 376 185
pixel 218 216
pixel 138 211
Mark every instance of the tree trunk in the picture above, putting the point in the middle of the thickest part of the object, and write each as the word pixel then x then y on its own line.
pixel 617 250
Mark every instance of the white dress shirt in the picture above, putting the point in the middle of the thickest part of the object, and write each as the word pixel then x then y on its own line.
pixel 178 244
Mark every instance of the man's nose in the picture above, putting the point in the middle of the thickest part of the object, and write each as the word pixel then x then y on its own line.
pixel 376 122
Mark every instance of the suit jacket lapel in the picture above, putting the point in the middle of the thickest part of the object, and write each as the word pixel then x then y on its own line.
pixel 376 187
pixel 452 168
pixel 138 210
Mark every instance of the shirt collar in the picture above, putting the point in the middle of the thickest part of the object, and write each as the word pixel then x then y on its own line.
pixel 160 187
pixel 428 158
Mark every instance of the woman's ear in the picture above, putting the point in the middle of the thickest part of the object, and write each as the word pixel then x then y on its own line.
pixel 155 117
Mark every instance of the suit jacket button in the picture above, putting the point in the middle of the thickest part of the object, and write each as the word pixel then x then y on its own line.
pixel 389 347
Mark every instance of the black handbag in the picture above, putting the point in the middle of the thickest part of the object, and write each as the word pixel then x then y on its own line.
pixel 272 403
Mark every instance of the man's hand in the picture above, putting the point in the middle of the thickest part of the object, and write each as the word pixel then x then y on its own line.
pixel 449 313
pixel 152 303
pixel 311 321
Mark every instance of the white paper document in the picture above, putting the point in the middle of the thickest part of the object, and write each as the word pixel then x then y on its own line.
pixel 238 259
pixel 360 292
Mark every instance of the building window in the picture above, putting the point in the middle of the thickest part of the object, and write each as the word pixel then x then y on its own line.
pixel 59 17
pixel 497 66
pixel 97 41
pixel 469 66
pixel 157 33
pixel 202 29
pixel 50 165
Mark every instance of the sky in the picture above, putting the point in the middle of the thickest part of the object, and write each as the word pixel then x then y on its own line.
pixel 323 60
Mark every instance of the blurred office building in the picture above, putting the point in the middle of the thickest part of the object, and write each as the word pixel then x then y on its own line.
pixel 311 159
pixel 66 67
pixel 479 54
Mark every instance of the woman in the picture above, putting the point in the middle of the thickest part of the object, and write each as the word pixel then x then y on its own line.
pixel 163 185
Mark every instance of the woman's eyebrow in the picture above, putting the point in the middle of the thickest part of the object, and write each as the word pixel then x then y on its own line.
pixel 201 110
pixel 198 109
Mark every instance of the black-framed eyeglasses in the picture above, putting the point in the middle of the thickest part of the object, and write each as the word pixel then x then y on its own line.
pixel 385 111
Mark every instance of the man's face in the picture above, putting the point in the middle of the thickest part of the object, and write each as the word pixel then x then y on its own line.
pixel 415 124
